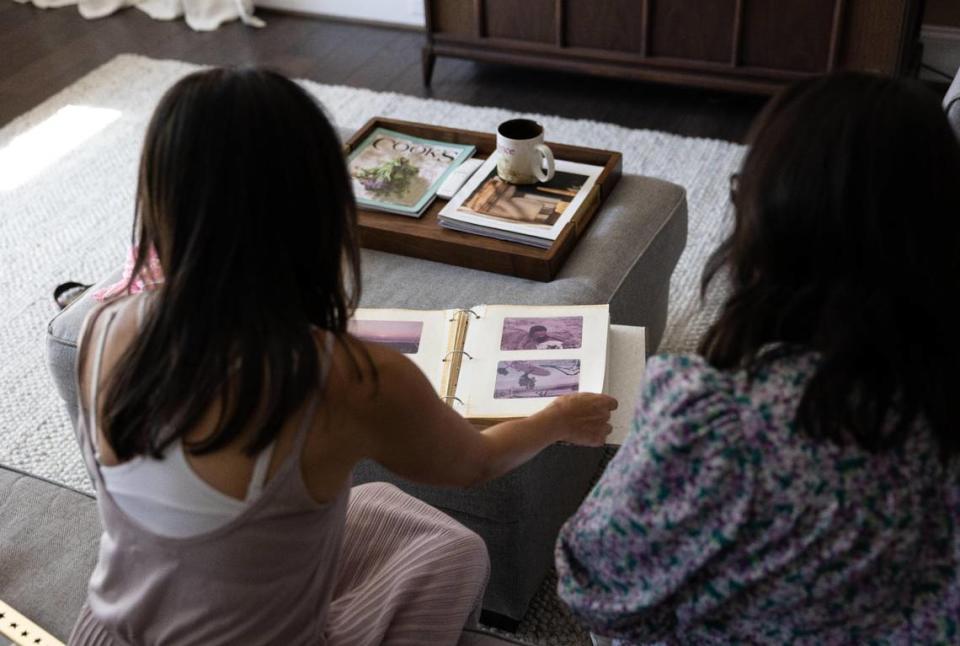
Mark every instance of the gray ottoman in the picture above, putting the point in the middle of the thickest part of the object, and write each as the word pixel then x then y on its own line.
pixel 625 259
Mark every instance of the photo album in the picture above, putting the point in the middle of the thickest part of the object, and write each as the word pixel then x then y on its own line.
pixel 498 362
pixel 398 173
pixel 533 214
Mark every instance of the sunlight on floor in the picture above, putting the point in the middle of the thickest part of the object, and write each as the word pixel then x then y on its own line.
pixel 30 153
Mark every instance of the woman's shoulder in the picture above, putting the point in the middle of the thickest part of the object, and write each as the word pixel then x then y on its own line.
pixel 687 369
pixel 118 318
pixel 675 384
pixel 121 310
pixel 686 401
pixel 362 371
pixel 679 371
pixel 107 331
pixel 673 379
pixel 686 407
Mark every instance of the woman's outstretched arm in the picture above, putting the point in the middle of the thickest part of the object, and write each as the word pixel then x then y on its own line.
pixel 408 429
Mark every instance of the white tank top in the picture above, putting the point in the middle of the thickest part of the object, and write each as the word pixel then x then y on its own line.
pixel 166 496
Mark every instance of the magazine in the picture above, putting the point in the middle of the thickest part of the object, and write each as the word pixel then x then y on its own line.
pixel 497 362
pixel 399 173
pixel 532 214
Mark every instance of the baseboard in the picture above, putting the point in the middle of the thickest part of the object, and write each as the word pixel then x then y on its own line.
pixel 406 13
pixel 941 51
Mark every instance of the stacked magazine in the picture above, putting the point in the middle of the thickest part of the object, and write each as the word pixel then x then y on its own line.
pixel 529 214
pixel 398 173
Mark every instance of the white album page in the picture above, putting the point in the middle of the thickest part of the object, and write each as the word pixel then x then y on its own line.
pixel 518 358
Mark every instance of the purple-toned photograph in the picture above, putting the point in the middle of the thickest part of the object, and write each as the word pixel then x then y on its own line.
pixel 402 336
pixel 546 333
pixel 540 378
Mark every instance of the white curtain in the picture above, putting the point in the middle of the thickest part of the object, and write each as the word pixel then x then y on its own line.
pixel 202 15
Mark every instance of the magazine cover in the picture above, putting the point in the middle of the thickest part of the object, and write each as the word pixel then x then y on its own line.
pixel 534 211
pixel 399 173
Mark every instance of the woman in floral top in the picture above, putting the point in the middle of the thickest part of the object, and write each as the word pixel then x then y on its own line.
pixel 798 481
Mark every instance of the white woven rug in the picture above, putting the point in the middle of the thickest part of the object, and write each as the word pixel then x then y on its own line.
pixel 71 219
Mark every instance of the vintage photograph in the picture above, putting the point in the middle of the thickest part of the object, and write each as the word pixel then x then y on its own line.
pixel 544 333
pixel 402 336
pixel 540 378
pixel 538 204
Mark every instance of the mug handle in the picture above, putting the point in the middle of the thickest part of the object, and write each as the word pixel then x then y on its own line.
pixel 544 176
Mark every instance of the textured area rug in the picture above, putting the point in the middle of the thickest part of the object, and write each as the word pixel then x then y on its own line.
pixel 68 218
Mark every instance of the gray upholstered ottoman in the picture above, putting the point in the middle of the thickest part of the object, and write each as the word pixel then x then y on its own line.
pixel 625 259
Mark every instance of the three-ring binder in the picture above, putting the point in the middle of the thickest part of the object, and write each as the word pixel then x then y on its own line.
pixel 453 359
pixel 466 311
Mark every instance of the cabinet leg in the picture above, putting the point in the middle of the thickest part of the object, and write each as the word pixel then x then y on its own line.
pixel 427 58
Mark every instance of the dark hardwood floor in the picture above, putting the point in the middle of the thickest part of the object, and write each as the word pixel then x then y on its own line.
pixel 43 51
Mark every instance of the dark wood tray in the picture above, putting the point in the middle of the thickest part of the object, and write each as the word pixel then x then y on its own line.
pixel 424 237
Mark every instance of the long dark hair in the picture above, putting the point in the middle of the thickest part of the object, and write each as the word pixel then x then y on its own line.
pixel 244 193
pixel 846 242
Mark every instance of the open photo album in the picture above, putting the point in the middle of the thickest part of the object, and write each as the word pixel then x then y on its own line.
pixel 498 362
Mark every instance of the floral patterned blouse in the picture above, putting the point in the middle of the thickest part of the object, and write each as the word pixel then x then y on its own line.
pixel 718 522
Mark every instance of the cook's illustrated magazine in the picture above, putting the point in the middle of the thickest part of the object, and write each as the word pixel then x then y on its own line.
pixel 399 173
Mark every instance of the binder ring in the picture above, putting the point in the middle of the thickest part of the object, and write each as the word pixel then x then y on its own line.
pixel 466 354
pixel 451 397
pixel 467 311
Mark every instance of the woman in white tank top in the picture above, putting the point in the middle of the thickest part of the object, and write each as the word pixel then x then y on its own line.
pixel 224 412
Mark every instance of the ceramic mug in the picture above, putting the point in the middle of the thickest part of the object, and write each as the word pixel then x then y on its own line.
pixel 521 153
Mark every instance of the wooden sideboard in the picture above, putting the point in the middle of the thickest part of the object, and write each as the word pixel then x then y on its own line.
pixel 752 46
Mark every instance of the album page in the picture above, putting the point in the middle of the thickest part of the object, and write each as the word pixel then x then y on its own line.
pixel 517 359
pixel 421 335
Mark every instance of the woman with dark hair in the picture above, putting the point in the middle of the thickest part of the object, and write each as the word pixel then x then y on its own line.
pixel 223 411
pixel 798 482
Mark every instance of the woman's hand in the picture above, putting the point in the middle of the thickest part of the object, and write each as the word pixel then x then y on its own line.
pixel 581 418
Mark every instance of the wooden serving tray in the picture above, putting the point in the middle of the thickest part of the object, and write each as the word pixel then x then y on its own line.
pixel 423 237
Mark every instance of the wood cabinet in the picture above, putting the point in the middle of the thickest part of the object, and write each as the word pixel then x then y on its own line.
pixel 741 45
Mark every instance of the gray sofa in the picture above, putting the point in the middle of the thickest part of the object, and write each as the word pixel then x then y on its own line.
pixel 625 259
pixel 49 546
